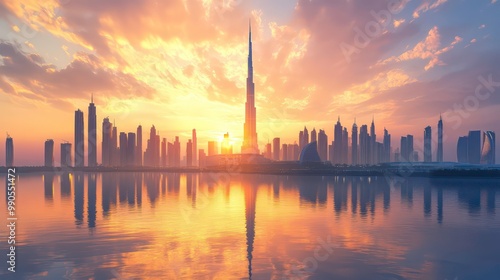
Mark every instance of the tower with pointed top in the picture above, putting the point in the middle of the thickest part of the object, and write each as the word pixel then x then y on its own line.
pixel 440 140
pixel 92 133
pixel 354 145
pixel 250 145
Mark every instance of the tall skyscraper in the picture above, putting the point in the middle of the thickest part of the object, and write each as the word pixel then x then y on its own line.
pixel 152 153
pixel 123 148
pixel 410 147
pixel 195 148
pixel 269 151
pixel 131 149
pixel 387 147
pixel 79 139
pixel 428 144
pixel 345 146
pixel 364 142
pixel 462 152
pixel 138 155
pixel 404 149
pixel 474 147
pixel 66 155
pixel 49 153
pixel 301 140
pixel 373 143
pixel 276 148
pixel 306 136
pixel 354 145
pixel 488 150
pixel 115 152
pixel 164 152
pixel 250 143
pixel 313 135
pixel 189 151
pixel 337 144
pixel 440 141
pixel 92 134
pixel 9 152
pixel 322 145
pixel 284 152
pixel 106 150
pixel 177 152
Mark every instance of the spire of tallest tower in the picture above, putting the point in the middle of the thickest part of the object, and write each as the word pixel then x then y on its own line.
pixel 250 58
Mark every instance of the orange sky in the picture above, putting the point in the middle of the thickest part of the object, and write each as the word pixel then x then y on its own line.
pixel 181 64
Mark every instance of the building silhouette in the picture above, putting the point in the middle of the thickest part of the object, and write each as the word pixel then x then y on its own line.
pixel 138 154
pixel 79 139
pixel 462 152
pixel 284 152
pixel 364 142
pixel 189 152
pixel 354 143
pixel 373 144
pixel 66 159
pixel 250 145
pixel 106 150
pixel 313 135
pixel 440 141
pixel 428 144
pixel 163 152
pixel 337 143
pixel 322 146
pixel 92 134
pixel 194 149
pixel 407 148
pixel 345 146
pixel 9 152
pixel 309 154
pixel 213 150
pixel 269 151
pixel 474 147
pixel 488 150
pixel 276 149
pixel 115 152
pixel 123 148
pixel 49 153
pixel 387 147
pixel 131 149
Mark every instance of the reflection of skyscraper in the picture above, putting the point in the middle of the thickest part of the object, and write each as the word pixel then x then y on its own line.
pixel 250 201
pixel 488 151
pixel 92 134
pixel 48 182
pixel 66 154
pixel 354 145
pixel 79 135
pixel 428 144
pixel 49 153
pixel 474 147
pixel 78 198
pixel 91 205
pixel 462 154
pixel 9 152
pixel 427 200
pixel 250 145
pixel 440 141
pixel 65 186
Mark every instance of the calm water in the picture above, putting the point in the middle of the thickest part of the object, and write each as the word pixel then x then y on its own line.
pixel 220 226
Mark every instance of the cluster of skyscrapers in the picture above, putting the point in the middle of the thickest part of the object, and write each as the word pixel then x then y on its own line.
pixel 470 148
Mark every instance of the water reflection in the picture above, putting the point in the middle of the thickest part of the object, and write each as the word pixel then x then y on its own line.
pixel 194 223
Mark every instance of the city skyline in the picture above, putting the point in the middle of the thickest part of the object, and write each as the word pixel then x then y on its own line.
pixel 201 83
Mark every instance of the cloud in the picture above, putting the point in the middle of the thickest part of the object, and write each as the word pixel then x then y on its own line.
pixel 428 49
pixel 29 73
pixel 398 22
pixel 426 6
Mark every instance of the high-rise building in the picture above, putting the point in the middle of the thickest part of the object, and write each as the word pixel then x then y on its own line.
pixel 295 151
pixel 66 159
pixel 404 149
pixel 131 149
pixel 194 148
pixel 488 151
pixel 177 152
pixel 92 134
pixel 115 152
pixel 313 135
pixel 164 152
pixel 189 153
pixel 410 147
pixel 306 136
pixel 79 139
pixel 269 152
pixel 106 150
pixel 337 143
pixel 227 148
pixel 354 144
pixel 201 158
pixel 301 140
pixel 373 143
pixel 49 153
pixel 284 152
pixel 428 144
pixel 152 153
pixel 212 148
pixel 276 148
pixel 9 152
pixel 345 146
pixel 322 145
pixel 364 142
pixel 250 143
pixel 123 148
pixel 474 147
pixel 462 152
pixel 138 153
pixel 440 141
pixel 387 147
